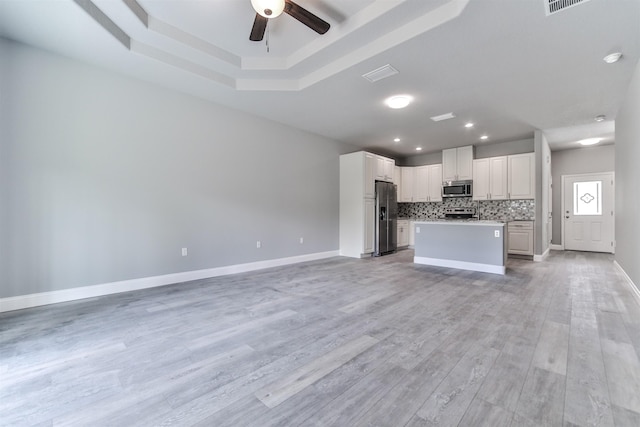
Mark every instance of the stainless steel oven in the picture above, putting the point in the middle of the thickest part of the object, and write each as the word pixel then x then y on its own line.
pixel 457 188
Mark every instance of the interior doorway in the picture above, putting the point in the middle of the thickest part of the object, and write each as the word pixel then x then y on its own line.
pixel 588 212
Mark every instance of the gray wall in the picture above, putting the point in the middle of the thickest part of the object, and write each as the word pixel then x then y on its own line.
pixel 105 178
pixel 543 170
pixel 574 162
pixel 509 148
pixel 422 159
pixel 481 151
pixel 627 181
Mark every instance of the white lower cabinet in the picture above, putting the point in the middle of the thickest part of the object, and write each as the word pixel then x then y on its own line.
pixel 403 233
pixel 369 225
pixel 520 237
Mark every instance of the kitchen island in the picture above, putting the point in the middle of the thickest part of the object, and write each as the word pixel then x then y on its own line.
pixel 467 245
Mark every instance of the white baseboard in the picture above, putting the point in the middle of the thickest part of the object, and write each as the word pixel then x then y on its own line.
pixel 64 295
pixel 556 247
pixel 634 288
pixel 540 258
pixel 462 265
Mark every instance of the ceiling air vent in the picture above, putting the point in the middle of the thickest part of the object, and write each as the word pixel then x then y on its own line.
pixel 380 73
pixel 554 6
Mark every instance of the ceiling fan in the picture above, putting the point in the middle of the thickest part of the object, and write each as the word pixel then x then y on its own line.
pixel 268 9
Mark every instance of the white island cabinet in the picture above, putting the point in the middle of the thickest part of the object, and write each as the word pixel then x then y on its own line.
pixel 476 245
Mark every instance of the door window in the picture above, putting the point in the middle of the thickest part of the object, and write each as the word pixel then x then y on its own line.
pixel 587 198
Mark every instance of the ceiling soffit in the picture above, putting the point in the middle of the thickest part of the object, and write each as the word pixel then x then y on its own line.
pixel 374 28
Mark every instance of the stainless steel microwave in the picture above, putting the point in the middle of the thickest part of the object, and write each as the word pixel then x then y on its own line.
pixel 457 188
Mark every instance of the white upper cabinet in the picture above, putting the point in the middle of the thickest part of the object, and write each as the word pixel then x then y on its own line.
pixel 369 175
pixel 407 177
pixel 490 178
pixel 457 163
pixel 450 164
pixel 481 176
pixel 504 177
pixel 384 169
pixel 498 188
pixel 389 168
pixel 435 183
pixel 521 181
pixel 379 168
pixel 397 180
pixel 465 162
pixel 421 185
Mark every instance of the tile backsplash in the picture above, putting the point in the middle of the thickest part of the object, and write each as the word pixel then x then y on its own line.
pixel 497 210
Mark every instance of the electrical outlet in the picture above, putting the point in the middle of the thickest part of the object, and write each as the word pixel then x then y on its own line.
pixel 301 240
pixel 258 244
pixel 418 230
pixel 496 233
pixel 184 252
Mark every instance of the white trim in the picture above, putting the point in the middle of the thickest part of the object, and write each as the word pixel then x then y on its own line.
pixel 540 258
pixel 462 265
pixel 556 247
pixel 64 295
pixel 634 289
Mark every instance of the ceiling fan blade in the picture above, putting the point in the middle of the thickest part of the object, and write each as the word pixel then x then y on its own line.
pixel 318 25
pixel 259 26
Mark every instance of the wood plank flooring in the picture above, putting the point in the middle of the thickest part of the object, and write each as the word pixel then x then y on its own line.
pixel 344 342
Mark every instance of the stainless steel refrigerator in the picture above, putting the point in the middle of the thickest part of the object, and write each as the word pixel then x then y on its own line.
pixel 386 218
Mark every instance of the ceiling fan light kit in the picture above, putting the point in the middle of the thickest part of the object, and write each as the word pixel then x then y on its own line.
pixel 268 9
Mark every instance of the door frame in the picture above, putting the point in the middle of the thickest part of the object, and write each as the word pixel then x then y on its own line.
pixel 581 175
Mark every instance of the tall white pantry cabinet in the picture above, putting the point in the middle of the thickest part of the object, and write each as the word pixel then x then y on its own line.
pixel 358 172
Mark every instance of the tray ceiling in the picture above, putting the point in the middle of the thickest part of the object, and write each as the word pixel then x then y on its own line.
pixel 506 66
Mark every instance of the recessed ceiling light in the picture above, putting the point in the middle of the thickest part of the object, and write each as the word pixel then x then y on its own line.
pixel 418 148
pixel 612 57
pixel 396 140
pixel 600 118
pixel 589 141
pixel 468 125
pixel 398 101
pixel 483 137
pixel 443 117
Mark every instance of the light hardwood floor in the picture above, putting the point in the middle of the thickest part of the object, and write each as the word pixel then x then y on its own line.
pixel 376 342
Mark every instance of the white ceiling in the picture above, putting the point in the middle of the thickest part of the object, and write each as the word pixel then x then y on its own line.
pixel 502 64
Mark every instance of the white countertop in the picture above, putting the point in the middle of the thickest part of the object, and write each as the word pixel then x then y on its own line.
pixel 463 222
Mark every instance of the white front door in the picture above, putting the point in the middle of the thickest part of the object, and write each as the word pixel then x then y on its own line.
pixel 588 216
